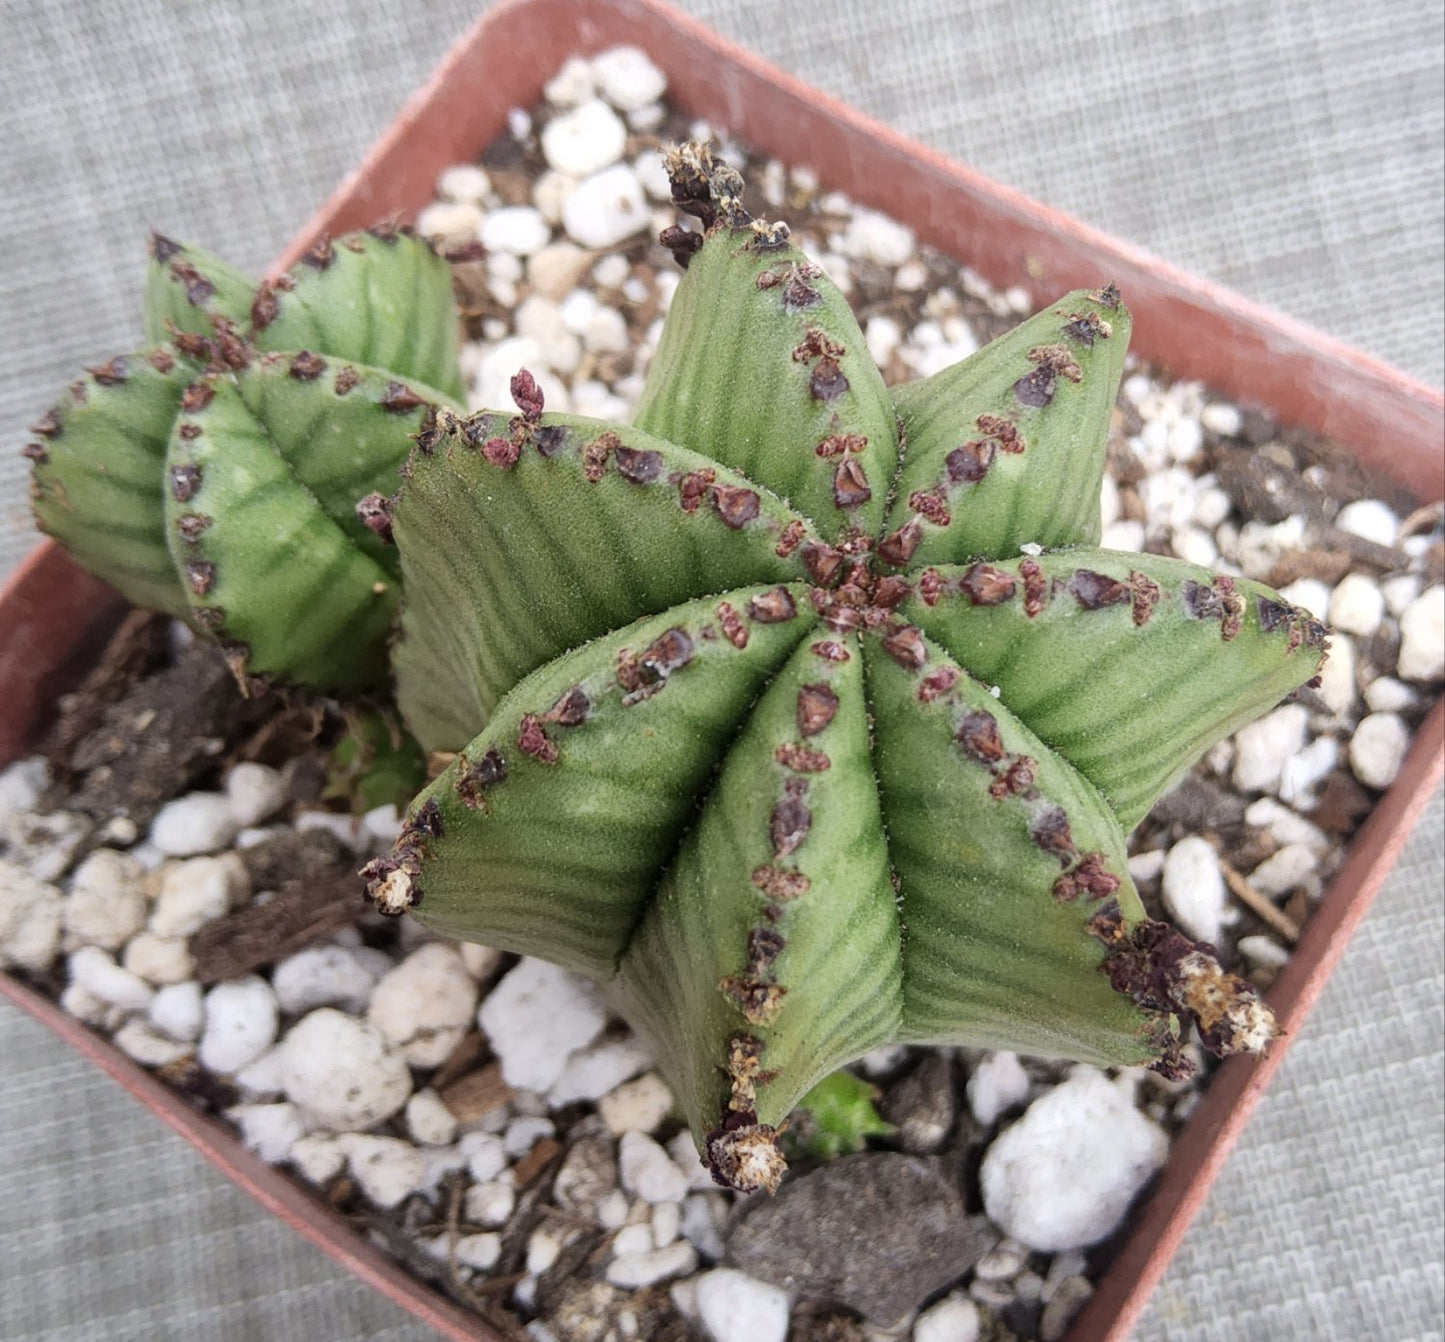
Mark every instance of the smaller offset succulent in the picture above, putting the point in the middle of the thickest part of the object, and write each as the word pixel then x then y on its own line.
pixel 217 474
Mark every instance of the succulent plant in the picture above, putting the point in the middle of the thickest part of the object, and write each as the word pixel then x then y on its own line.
pixel 217 475
pixel 804 715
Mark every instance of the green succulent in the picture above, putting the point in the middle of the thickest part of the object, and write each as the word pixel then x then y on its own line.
pixel 217 474
pixel 806 716
pixel 836 1118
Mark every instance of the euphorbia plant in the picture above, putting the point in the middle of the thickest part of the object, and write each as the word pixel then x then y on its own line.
pixel 805 716
pixel 217 474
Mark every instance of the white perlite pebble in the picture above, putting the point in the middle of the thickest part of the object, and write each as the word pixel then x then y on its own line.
pixel 1388 695
pixel 647 1171
pixel 385 1168
pixel 1357 606
pixel 1337 678
pixel 1048 1183
pixel 199 822
pixel 147 1046
pixel 878 238
pixel 585 140
pixel 342 1071
pixel 480 1251
pixel 490 1204
pixel 1422 637
pixel 178 1010
pixel 1309 594
pixel 1194 889
pixel 996 1083
pixel 593 1072
pixel 524 1133
pixel 94 970
pixel 636 1270
pixel 429 1121
pixel 1261 950
pixel 31 913
pixel 572 84
pixel 485 1157
pixel 464 182
pixel 635 1238
pixel 424 1005
pixel 196 892
pixel 270 1130
pixel 1262 748
pixel 1378 749
pixel 256 792
pixel 318 1157
pixel 953 1319
pixel 1370 518
pixel 628 79
pixel 517 229
pixel 1284 870
pixel 637 1106
pixel 1221 418
pixel 342 976
pixel 606 208
pixel 452 223
pixel 263 1079
pixel 241 1020
pixel 685 1157
pixel 555 270
pixel 535 1018
pixel 21 785
pixel 1285 826
pixel 734 1307
pixel 1312 765
pixel 107 904
pixel 159 960
pixel 666 1223
pixel 45 845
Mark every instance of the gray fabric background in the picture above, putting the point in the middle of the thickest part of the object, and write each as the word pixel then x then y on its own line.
pixel 1293 151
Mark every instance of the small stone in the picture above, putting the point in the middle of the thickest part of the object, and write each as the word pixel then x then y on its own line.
pixel 424 1006
pixel 256 792
pixel 199 822
pixel 701 1224
pixel 317 1157
pixel 1313 764
pixel 1044 1186
pixel 878 238
pixel 636 1270
pixel 955 1318
pixel 342 1071
pixel 485 1155
pixel 1069 1297
pixel 429 1121
pixel 196 892
pixel 1261 545
pixel 1422 637
pixel 85 1006
pixel 270 1130
pixel 572 84
pixel 1146 867
pixel 1337 678
pixel 637 1106
pixel 481 1251
pixel 1388 695
pixel 1194 890
pixel 1372 519
pixel 524 1132
pixel 593 1072
pixel 1263 747
pixel 450 223
pixel 97 972
pixel 585 140
pixel 1184 439
pixel 1124 535
pixel 606 208
pixel 1284 871
pixel 178 1010
pixel 666 1223
pixel 606 333
pixel 1284 826
pixel 21 786
pixel 464 182
pixel 648 1172
pixel 385 1169
pixel 328 975
pixel 45 845
pixel 996 1084
pixel 544 1245
pixel 734 1307
pixel 1399 590
pixel 685 1156
pixel 922 1105
pixel 1222 418
pixel 241 1019
pixel 535 1018
pixel 1308 594
pixel 1357 606
pixel 490 1204
pixel 628 79
pixel 344 828
pixel 31 915
pixel 481 961
pixel 554 271
pixel 264 1078
pixel 147 1046
pixel 107 904
pixel 1378 749
pixel 1265 951
pixel 159 960
pixel 516 229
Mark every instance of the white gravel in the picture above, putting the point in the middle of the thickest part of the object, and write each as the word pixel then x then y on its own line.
pixel 342 1071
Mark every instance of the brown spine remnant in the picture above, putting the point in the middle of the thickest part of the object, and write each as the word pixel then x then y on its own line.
pixel 1016 780
pixel 840 444
pixel 320 256
pixel 978 735
pixel 791 819
pixel 799 295
pixel 264 306
pixel 1036 587
pixel 1108 296
pixel 638 467
pixel 475 780
pixel 891 591
pixel 1273 615
pixel 802 759
pixel 759 1001
pixel 1233 604
pixel 185 480
pixel 502 453
pixel 595 454
pixel 211 617
pixel 930 586
pixel 682 242
pixel 668 653
pixel 35 452
pixel 734 630
pixel 1090 878
pixel 744 1156
pixel 191 525
pixel 773 607
pixel 550 440
pixel 1144 595
pixel 48 425
pixel 198 287
pixel 527 395
pixel 1087 327
pixel 346 379
pixel 817 707
pixel 307 367
pixel 827 381
pixel 692 488
pixel 1049 829
pixel 822 562
pixel 969 463
pixel 200 575
pixel 399 399
pixel 532 739
pixel 197 397
pixel 850 484
pixel 161 360
pixel 571 709
pixel 163 248
pixel 898 548
pixel 905 645
pixel 792 536
pixel 985 585
pixel 1094 591
pixel 189 431
pixel 932 505
pixel 1058 360
pixel 937 683
pixel 830 651
pixel 736 505
pixel 780 883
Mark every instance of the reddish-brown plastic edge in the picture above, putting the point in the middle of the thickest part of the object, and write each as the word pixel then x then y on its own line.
pixel 51 612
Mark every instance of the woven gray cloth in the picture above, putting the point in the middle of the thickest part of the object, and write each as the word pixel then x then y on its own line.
pixel 1294 152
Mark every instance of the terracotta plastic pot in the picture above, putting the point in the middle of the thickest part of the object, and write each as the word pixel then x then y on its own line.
pixel 53 616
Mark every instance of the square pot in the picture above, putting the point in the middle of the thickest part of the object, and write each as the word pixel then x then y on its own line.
pixel 53 616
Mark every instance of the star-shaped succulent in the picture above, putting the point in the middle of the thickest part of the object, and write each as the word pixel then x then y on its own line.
pixel 217 474
pixel 803 715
